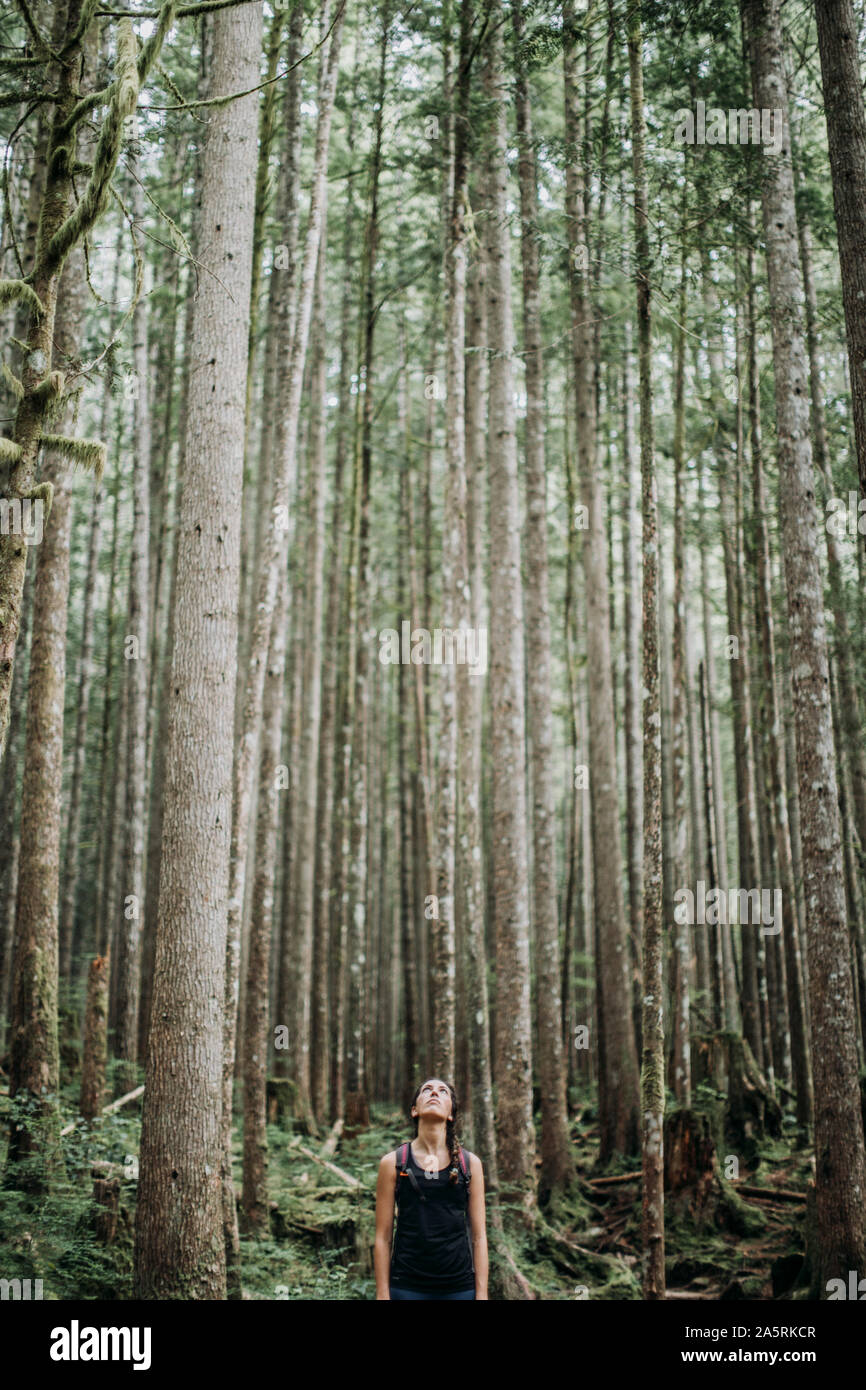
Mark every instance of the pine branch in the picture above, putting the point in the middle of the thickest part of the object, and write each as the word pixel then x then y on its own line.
pixel 184 11
pixel 17 63
pixel 44 493
pixel 16 98
pixel 88 14
pixel 49 389
pixel 15 386
pixel 89 454
pixel 41 42
pixel 10 452
pixel 151 50
pixel 12 290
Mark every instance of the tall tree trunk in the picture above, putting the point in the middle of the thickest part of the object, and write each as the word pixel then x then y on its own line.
pixel 618 1076
pixel 557 1166
pixel 470 698
pixel 267 683
pixel 840 1164
pixel 337 641
pixel 179 1244
pixel 357 1112
pixel 307 794
pixel 34 1061
pixel 772 735
pixel 510 875
pixel 846 141
pixel 136 653
pixel 652 1062
pixel 681 1071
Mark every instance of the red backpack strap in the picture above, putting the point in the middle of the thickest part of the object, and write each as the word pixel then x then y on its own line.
pixel 465 1166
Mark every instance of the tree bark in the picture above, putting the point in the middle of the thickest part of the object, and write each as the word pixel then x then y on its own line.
pixel 846 141
pixel 618 1074
pixel 513 1038
pixel 179 1245
pixel 557 1166
pixel 653 1061
pixel 840 1165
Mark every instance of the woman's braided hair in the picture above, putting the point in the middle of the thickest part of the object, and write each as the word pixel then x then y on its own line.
pixel 450 1131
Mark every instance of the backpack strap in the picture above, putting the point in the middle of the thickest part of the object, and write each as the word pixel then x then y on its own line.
pixel 404 1171
pixel 465 1166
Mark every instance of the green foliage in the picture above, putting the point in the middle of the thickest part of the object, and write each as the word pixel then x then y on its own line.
pixel 18 291
pixel 89 454
pixel 10 452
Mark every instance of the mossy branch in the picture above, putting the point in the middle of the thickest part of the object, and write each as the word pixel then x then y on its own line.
pixel 151 48
pixel 183 12
pixel 44 493
pixel 88 13
pixel 15 386
pixel 16 98
pixel 10 452
pixel 89 454
pixel 18 63
pixel 123 103
pixel 12 290
pixel 50 389
pixel 146 59
pixel 36 34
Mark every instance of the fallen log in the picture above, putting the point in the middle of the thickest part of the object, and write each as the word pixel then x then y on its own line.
pixel 329 1148
pixel 332 1167
pixel 771 1194
pixel 622 1177
pixel 108 1109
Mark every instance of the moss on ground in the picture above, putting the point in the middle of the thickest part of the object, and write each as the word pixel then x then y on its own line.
pixel 584 1244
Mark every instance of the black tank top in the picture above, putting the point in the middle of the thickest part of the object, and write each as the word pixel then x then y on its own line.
pixel 432 1250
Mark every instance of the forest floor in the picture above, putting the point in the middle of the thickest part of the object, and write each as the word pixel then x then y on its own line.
pixel 320 1243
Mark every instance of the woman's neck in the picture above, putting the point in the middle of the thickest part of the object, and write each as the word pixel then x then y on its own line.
pixel 431 1136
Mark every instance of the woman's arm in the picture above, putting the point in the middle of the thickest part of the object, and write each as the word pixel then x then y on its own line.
pixel 384 1227
pixel 478 1226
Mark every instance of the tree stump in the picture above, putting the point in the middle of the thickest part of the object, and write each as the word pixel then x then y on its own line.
pixel 709 1059
pixel 106 1196
pixel 282 1098
pixel 751 1112
pixel 357 1113
pixel 690 1159
pixel 694 1187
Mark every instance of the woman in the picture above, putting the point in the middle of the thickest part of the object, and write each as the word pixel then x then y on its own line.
pixel 441 1247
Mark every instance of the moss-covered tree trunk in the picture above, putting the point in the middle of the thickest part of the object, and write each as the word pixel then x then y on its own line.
pixel 34 1046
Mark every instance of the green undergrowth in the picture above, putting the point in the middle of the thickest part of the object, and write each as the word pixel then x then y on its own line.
pixel 583 1244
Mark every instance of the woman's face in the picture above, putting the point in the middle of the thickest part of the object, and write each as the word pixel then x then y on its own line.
pixel 434 1101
